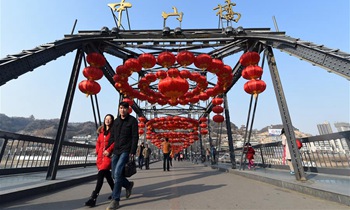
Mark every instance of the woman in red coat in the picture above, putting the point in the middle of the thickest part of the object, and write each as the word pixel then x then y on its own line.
pixel 103 162
pixel 250 154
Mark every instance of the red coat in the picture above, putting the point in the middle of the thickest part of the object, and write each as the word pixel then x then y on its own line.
pixel 103 162
pixel 250 153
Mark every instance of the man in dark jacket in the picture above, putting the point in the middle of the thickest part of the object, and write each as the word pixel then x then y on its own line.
pixel 125 136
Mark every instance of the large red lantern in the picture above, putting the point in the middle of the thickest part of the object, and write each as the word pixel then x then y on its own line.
pixel 147 60
pixel 96 60
pixel 252 72
pixel 185 58
pixel 173 87
pixel 249 58
pixel 203 61
pixel 89 87
pixel 92 73
pixel 254 86
pixel 218 118
pixel 166 59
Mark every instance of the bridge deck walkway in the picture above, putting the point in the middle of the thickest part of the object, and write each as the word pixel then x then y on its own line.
pixel 185 186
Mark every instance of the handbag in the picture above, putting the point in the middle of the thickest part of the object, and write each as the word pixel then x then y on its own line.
pixel 130 168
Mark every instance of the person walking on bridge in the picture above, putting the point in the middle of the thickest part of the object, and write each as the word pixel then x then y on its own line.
pixel 124 135
pixel 103 162
pixel 166 148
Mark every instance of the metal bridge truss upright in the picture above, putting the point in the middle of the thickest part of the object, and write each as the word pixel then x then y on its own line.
pixel 218 43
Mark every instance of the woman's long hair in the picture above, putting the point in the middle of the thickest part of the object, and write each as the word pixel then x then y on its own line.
pixel 105 126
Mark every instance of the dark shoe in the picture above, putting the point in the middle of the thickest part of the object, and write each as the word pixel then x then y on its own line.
pixel 110 197
pixel 113 205
pixel 129 190
pixel 92 201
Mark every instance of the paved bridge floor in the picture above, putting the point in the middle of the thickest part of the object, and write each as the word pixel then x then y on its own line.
pixel 185 186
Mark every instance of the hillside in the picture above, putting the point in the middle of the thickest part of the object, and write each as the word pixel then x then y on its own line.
pixel 43 128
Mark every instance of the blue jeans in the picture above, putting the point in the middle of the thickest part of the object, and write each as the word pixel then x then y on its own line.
pixel 118 164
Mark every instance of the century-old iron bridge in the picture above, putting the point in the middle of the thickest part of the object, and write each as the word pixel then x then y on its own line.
pixel 218 43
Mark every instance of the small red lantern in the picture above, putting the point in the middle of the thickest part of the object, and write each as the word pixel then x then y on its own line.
pixel 141 131
pixel 254 86
pixel 249 58
pixel 133 65
pixel 147 60
pixel 129 101
pixel 218 118
pixel 217 101
pixel 299 144
pixel 130 110
pixel 166 59
pixel 185 58
pixel 252 72
pixel 218 109
pixel 204 131
pixel 96 59
pixel 92 73
pixel 215 66
pixel 89 87
pixel 203 61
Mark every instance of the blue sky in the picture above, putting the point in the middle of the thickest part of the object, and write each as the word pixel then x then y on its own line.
pixel 313 95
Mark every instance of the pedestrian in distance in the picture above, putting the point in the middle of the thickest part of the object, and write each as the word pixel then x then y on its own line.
pixel 250 152
pixel 147 154
pixel 166 148
pixel 103 161
pixel 124 135
pixel 139 154
pixel 287 152
pixel 207 153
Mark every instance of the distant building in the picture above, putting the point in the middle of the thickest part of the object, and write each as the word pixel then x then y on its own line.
pixel 324 128
pixel 342 126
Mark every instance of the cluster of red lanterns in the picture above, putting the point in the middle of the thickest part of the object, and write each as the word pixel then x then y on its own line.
pixel 173 85
pixel 218 109
pixel 181 131
pixel 92 73
pixel 252 72
pixel 203 125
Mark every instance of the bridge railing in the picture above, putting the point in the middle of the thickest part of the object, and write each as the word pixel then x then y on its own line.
pixel 324 154
pixel 23 153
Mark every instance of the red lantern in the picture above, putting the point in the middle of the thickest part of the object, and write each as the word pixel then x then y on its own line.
pixel 249 58
pixel 141 131
pixel 252 72
pixel 130 110
pixel 204 131
pixel 173 87
pixel 203 96
pixel 89 87
pixel 92 73
pixel 147 60
pixel 185 74
pixel 142 119
pixel 218 109
pixel 217 101
pixel 161 74
pixel 133 65
pixel 185 58
pixel 215 66
pixel 203 125
pixel 254 86
pixel 203 61
pixel 96 60
pixel 218 118
pixel 129 101
pixel 166 59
